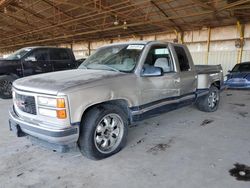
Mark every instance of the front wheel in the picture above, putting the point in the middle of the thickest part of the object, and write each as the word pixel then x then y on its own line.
pixel 209 102
pixel 6 87
pixel 103 132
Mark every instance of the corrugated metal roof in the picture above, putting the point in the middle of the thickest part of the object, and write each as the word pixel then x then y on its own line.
pixel 51 22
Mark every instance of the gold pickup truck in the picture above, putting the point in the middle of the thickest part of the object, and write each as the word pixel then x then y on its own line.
pixel 91 107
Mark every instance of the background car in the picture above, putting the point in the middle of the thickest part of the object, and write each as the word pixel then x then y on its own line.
pixel 33 60
pixel 80 61
pixel 239 76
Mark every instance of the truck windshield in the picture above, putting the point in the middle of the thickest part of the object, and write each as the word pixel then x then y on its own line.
pixel 18 54
pixel 115 58
pixel 244 67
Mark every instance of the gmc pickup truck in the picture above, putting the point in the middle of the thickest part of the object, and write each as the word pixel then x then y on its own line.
pixel 91 107
pixel 33 60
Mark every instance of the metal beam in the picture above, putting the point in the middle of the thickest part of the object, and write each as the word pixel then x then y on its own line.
pixel 203 5
pixel 80 17
pixel 113 28
pixel 96 16
pixel 4 3
pixel 165 14
pixel 65 13
pixel 39 16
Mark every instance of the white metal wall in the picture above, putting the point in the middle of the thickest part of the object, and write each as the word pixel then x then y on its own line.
pixel 221 47
pixel 246 51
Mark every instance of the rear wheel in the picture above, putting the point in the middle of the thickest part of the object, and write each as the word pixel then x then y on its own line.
pixel 6 87
pixel 103 132
pixel 209 102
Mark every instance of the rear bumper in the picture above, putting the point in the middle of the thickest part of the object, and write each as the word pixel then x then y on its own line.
pixel 63 137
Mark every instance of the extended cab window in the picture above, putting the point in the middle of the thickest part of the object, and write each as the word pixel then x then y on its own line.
pixel 182 58
pixel 59 54
pixel 159 56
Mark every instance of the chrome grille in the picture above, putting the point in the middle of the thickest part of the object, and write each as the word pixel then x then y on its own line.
pixel 26 103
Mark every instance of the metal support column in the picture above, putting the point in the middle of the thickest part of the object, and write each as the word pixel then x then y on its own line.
pixel 89 50
pixel 208 44
pixel 240 51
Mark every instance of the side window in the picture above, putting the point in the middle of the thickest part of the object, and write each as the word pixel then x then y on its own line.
pixel 182 58
pixel 38 55
pixel 59 54
pixel 159 56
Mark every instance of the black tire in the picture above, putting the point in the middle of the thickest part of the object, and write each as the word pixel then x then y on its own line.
pixel 203 103
pixel 6 86
pixel 88 131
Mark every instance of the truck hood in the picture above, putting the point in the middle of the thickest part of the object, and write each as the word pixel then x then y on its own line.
pixel 53 83
pixel 7 62
pixel 245 75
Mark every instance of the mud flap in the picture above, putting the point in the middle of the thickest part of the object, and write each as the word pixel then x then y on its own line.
pixel 16 129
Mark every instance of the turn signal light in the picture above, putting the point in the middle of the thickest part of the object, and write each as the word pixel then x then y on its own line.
pixel 60 103
pixel 61 114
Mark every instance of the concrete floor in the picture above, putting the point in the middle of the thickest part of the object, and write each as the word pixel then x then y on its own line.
pixel 172 150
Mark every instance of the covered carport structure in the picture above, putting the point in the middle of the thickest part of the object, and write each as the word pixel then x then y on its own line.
pixel 216 32
pixel 185 148
pixel 54 22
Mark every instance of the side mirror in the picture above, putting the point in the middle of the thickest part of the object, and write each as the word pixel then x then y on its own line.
pixel 30 58
pixel 151 71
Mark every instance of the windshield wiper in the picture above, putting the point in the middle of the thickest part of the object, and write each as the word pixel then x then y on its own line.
pixel 84 66
pixel 110 68
pixel 102 66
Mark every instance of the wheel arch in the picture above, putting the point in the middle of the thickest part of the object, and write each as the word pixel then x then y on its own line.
pixel 217 84
pixel 121 103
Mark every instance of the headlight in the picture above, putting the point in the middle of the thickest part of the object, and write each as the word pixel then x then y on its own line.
pixel 52 107
pixel 51 102
pixel 225 78
pixel 60 114
pixel 47 112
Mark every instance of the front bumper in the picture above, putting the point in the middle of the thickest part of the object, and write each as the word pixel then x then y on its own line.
pixel 63 137
pixel 237 83
pixel 237 86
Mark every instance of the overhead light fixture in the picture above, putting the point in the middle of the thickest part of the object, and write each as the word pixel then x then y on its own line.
pixel 5 10
pixel 125 25
pixel 116 22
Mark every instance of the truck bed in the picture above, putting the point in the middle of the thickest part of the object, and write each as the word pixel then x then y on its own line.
pixel 208 69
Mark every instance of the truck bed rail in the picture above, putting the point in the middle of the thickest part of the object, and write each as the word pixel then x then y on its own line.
pixel 208 69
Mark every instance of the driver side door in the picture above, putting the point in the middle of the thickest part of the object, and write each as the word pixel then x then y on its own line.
pixel 36 62
pixel 156 91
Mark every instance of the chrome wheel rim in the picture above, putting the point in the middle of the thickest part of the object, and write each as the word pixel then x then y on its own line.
pixel 213 99
pixel 109 133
